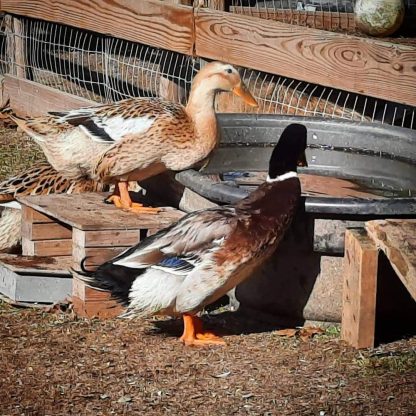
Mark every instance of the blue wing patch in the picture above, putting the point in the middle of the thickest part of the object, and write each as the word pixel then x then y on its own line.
pixel 176 265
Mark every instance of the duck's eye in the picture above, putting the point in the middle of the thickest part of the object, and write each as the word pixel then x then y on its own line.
pixel 229 71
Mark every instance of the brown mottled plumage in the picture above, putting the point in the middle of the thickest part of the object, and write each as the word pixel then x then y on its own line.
pixel 137 138
pixel 180 270
pixel 41 179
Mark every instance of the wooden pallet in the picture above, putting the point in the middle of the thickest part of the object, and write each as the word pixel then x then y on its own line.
pixel 397 239
pixel 83 226
pixel 35 279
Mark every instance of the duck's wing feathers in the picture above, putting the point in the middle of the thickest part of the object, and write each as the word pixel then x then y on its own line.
pixel 179 249
pixel 111 122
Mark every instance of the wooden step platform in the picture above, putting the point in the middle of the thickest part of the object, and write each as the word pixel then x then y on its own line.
pixel 397 239
pixel 83 226
pixel 33 280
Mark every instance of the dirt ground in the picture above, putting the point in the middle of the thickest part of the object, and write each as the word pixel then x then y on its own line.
pixel 17 151
pixel 55 364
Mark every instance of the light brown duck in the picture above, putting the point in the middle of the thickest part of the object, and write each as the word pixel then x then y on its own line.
pixel 137 138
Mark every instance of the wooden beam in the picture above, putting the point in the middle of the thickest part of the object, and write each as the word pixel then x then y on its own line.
pixel 62 247
pixel 359 292
pixel 397 239
pixel 317 20
pixel 152 22
pixel 30 99
pixel 365 66
pixel 15 46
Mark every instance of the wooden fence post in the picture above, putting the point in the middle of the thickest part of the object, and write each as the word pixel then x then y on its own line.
pixel 169 89
pixel 16 46
pixel 360 287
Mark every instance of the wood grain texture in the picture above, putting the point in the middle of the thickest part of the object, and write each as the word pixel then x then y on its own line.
pixel 85 292
pixel 102 309
pixel 60 247
pixel 152 22
pixel 30 99
pixel 397 239
pixel 15 48
pixel 88 211
pixel 105 238
pixel 33 216
pixel 371 67
pixel 359 291
pixel 42 265
pixel 95 255
pixel 51 231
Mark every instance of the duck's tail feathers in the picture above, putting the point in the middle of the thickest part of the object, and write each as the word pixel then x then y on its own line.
pixel 109 277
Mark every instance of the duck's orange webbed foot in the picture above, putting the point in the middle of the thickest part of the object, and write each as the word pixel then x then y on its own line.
pixel 194 335
pixel 123 201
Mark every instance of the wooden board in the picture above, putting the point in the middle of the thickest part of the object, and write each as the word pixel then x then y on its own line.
pixel 47 247
pixel 88 211
pixel 28 264
pixel 35 217
pixel 49 231
pixel 365 66
pixel 40 280
pixel 359 291
pixel 105 238
pixel 317 20
pixel 94 256
pixel 102 309
pixel 397 239
pixel 152 22
pixel 30 99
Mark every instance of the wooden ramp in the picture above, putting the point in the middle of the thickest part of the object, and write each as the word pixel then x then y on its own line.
pixel 74 227
pixel 33 280
pixel 397 239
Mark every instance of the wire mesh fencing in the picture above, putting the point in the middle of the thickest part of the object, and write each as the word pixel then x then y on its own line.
pixel 333 15
pixel 4 61
pixel 106 69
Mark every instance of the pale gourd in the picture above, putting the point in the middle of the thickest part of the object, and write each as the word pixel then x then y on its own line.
pixel 379 17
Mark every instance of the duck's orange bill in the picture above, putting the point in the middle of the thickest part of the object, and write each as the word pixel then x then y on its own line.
pixel 242 91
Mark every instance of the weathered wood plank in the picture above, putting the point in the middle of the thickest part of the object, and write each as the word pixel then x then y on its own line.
pixel 154 23
pixel 365 66
pixel 87 293
pixel 87 211
pixel 33 216
pixel 30 99
pixel 28 264
pixel 397 239
pixel 359 292
pixel 94 256
pixel 15 48
pixel 318 19
pixel 49 231
pixel 47 247
pixel 105 238
pixel 102 309
pixel 35 279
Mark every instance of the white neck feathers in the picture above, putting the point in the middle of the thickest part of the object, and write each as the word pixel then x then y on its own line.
pixel 283 177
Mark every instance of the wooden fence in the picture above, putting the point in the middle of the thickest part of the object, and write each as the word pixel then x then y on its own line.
pixel 361 65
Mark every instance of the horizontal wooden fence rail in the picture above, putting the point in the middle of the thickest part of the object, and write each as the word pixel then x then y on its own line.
pixel 155 23
pixel 361 65
pixel 365 66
